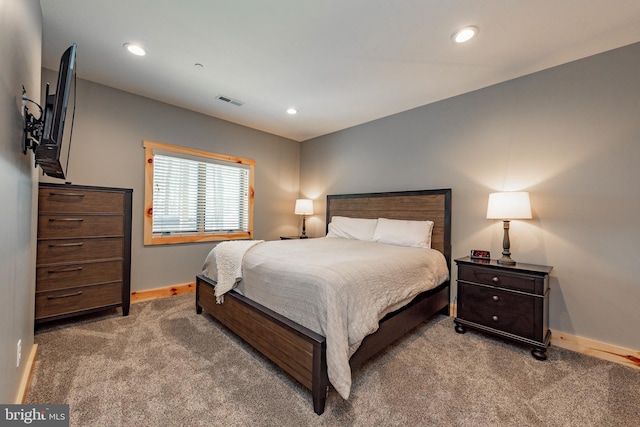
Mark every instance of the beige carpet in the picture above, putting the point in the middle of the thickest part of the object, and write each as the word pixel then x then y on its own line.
pixel 164 365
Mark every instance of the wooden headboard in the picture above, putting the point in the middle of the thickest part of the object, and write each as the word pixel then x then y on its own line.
pixel 433 205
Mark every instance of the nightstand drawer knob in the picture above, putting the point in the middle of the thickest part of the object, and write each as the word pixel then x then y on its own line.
pixel 495 318
pixel 495 298
pixel 495 279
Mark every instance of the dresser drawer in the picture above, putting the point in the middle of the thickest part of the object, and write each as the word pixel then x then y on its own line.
pixel 71 225
pixel 486 276
pixel 503 310
pixel 73 250
pixel 79 200
pixel 62 276
pixel 54 303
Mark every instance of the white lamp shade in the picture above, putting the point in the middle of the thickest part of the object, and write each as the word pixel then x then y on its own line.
pixel 304 207
pixel 509 205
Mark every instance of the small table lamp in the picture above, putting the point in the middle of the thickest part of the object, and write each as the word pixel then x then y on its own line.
pixel 304 207
pixel 507 206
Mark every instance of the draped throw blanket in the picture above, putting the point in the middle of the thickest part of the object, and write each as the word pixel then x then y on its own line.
pixel 229 257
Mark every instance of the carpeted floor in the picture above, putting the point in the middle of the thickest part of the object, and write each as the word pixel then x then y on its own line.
pixel 164 365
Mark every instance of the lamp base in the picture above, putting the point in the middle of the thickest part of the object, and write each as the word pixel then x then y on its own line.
pixel 506 260
pixel 304 229
pixel 506 244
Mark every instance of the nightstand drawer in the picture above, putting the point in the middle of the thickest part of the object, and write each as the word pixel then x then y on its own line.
pixel 506 311
pixel 486 276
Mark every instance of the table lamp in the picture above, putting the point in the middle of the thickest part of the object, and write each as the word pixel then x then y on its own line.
pixel 304 207
pixel 506 206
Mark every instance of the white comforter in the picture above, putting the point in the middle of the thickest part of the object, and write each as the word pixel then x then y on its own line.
pixel 338 288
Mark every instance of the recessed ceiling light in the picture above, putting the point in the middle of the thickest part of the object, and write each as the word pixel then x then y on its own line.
pixel 292 111
pixel 135 49
pixel 465 34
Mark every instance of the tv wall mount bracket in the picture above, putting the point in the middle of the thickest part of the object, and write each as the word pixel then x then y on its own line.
pixel 33 127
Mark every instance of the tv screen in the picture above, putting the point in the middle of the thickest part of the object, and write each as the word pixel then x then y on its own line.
pixel 55 111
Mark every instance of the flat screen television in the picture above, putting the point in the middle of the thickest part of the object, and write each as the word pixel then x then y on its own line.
pixel 51 124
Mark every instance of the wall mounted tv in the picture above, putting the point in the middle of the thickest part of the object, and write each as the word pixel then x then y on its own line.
pixel 44 134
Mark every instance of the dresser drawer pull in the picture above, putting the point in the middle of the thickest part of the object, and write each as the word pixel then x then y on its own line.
pixel 74 294
pixel 495 318
pixel 66 219
pixel 495 298
pixel 65 245
pixel 65 270
pixel 56 193
pixel 495 279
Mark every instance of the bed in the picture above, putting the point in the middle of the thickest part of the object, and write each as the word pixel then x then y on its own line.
pixel 297 349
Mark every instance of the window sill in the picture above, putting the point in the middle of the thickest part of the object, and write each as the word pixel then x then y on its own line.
pixel 195 238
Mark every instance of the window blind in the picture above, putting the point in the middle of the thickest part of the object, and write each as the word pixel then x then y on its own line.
pixel 195 196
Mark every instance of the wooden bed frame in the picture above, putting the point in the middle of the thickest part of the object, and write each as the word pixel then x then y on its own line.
pixel 301 352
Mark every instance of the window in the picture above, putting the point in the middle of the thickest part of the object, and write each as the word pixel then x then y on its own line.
pixel 196 196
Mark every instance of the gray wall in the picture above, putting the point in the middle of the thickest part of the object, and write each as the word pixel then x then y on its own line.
pixel 569 135
pixel 20 47
pixel 106 150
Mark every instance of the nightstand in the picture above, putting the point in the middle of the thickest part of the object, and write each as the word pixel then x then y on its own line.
pixel 511 301
pixel 294 237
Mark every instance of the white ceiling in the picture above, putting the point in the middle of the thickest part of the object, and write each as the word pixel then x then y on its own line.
pixel 339 62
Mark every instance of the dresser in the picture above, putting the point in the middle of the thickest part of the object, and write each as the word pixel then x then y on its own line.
pixel 83 259
pixel 511 301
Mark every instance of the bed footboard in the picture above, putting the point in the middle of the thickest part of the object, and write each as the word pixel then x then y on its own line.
pixel 301 352
pixel 297 350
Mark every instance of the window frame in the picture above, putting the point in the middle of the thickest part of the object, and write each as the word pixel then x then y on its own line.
pixel 158 239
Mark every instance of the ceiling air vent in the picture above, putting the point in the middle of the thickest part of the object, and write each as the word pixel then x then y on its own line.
pixel 230 100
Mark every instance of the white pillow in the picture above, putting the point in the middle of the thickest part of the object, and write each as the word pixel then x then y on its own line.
pixel 352 228
pixel 415 234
